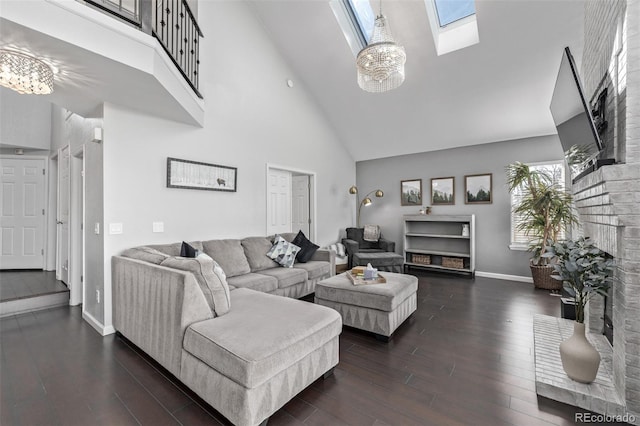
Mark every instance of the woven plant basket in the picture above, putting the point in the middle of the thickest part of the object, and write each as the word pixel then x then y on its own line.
pixel 542 277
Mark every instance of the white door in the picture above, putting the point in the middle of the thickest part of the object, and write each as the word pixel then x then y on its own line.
pixel 300 204
pixel 278 201
pixel 22 191
pixel 62 270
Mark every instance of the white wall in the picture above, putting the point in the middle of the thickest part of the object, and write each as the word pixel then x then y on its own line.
pixel 76 131
pixel 25 120
pixel 252 118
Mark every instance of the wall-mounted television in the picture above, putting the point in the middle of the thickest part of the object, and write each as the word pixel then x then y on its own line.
pixel 573 119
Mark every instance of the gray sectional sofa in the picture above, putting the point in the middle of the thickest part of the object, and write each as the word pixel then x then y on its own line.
pixel 241 346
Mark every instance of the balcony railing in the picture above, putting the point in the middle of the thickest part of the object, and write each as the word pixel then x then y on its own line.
pixel 169 21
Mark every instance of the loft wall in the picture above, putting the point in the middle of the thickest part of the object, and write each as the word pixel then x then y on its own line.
pixel 251 119
pixel 493 221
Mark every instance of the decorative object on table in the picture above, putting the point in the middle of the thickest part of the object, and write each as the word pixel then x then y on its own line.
pixel 465 230
pixel 370 272
pixel 380 65
pixel 545 211
pixel 427 210
pixel 366 201
pixel 478 189
pixel 358 279
pixel 188 174
pixel 584 271
pixel 411 192
pixel 443 191
pixel 25 74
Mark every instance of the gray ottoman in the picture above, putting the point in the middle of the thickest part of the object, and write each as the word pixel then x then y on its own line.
pixel 378 308
pixel 382 261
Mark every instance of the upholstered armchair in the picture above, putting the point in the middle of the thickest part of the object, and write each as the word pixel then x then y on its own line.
pixel 355 243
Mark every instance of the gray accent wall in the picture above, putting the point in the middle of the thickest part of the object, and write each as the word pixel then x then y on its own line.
pixel 493 221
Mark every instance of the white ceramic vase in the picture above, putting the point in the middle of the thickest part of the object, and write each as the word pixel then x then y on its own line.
pixel 580 359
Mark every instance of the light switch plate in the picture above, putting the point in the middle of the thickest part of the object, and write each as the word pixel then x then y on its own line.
pixel 96 228
pixel 158 226
pixel 115 228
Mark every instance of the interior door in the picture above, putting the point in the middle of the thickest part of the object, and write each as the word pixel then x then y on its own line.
pixel 278 201
pixel 62 270
pixel 300 204
pixel 22 191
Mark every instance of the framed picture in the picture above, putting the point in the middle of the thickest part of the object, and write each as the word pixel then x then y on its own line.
pixel 196 175
pixel 443 191
pixel 411 192
pixel 477 189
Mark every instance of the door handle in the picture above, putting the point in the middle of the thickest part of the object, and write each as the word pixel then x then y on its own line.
pixel 59 222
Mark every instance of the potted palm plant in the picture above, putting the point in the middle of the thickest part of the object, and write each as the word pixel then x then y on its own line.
pixel 545 211
pixel 584 270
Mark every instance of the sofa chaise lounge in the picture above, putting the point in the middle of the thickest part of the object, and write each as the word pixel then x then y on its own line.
pixel 254 357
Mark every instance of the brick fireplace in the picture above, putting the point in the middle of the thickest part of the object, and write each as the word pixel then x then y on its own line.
pixel 608 200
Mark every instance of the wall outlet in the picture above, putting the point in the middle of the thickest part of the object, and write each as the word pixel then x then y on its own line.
pixel 158 226
pixel 115 228
pixel 98 296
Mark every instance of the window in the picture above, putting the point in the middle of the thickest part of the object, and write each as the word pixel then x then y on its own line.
pixel 453 24
pixel 356 19
pixel 364 17
pixel 519 240
pixel 450 11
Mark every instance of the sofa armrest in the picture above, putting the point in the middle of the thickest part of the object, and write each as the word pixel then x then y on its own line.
pixel 351 246
pixel 326 255
pixel 387 245
pixel 153 306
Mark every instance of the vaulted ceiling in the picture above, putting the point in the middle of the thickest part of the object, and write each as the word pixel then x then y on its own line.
pixel 497 90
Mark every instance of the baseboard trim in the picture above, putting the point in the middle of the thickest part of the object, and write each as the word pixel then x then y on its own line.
pixel 504 277
pixel 97 325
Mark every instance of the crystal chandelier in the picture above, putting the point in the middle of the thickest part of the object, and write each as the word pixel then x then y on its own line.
pixel 25 74
pixel 381 63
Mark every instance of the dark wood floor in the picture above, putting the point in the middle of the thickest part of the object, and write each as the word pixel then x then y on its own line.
pixel 21 284
pixel 465 357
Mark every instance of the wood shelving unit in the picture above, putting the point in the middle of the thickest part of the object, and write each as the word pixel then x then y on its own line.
pixel 440 237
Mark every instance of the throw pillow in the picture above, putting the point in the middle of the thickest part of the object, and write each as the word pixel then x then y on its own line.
pixel 283 252
pixel 341 250
pixel 209 277
pixel 307 248
pixel 187 250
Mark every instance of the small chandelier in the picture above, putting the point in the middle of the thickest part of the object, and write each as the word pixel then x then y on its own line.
pixel 381 63
pixel 25 74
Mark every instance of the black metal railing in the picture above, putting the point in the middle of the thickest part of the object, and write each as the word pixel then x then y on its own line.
pixel 178 32
pixel 171 22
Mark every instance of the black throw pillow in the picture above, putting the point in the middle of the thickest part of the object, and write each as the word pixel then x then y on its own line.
pixel 307 248
pixel 187 251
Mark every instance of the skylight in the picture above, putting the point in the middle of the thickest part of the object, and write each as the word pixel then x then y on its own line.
pixel 453 24
pixel 450 11
pixel 356 19
pixel 364 17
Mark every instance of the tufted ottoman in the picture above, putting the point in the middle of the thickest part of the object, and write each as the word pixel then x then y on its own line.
pixel 378 308
pixel 382 261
